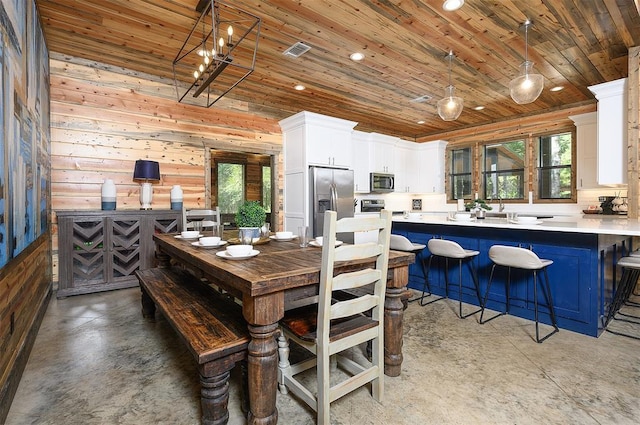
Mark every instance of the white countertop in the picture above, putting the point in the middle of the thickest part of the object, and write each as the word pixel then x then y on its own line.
pixel 602 225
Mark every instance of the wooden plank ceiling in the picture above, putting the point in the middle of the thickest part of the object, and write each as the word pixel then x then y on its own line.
pixel 574 44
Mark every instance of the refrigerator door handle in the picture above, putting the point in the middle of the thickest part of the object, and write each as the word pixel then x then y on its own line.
pixel 334 198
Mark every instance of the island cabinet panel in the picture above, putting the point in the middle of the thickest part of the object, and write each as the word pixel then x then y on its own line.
pixel 582 276
pixel 101 250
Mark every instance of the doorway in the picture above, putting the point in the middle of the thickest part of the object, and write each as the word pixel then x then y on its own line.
pixel 237 177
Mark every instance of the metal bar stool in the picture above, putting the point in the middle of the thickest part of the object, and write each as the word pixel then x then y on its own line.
pixel 630 274
pixel 400 243
pixel 525 259
pixel 450 250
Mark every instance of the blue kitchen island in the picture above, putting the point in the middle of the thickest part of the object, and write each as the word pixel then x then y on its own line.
pixel 584 251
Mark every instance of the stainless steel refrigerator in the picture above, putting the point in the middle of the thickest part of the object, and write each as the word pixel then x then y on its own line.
pixel 331 189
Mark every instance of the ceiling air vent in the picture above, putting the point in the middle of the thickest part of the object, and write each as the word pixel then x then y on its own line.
pixel 297 50
pixel 421 99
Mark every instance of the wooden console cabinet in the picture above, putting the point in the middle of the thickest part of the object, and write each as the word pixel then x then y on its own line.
pixel 101 250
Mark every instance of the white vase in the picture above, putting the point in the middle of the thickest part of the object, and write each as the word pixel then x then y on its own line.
pixel 109 195
pixel 176 197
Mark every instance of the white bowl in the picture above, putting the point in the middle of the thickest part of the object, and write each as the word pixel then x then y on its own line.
pixel 284 235
pixel 239 250
pixel 527 219
pixel 463 216
pixel 190 234
pixel 319 240
pixel 209 240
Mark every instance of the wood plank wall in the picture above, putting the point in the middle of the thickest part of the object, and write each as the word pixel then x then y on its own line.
pixel 25 285
pixel 633 133
pixel 103 119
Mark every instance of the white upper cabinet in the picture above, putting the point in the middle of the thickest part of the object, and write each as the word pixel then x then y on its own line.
pixel 612 131
pixel 360 147
pixel 432 166
pixel 381 154
pixel 314 139
pixel 586 150
pixel 406 166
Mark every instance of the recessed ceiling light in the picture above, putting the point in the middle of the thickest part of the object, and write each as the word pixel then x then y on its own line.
pixel 421 122
pixel 451 5
pixel 357 56
pixel 479 108
pixel 299 87
pixel 556 88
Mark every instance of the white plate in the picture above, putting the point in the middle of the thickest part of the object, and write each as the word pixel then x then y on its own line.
pixel 317 245
pixel 188 239
pixel 199 245
pixel 274 238
pixel 226 256
pixel 522 223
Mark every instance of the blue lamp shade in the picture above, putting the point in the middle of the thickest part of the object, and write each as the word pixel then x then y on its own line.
pixel 146 171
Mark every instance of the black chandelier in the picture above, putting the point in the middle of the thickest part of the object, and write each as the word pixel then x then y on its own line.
pixel 218 54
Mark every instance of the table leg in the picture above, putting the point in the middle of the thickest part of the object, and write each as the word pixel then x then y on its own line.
pixel 263 375
pixel 393 317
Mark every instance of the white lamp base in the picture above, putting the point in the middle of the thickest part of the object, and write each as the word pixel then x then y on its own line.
pixel 146 195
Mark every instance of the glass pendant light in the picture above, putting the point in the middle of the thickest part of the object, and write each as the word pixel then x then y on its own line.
pixel 528 85
pixel 450 106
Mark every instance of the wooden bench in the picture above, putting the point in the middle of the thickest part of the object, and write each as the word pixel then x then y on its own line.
pixel 209 323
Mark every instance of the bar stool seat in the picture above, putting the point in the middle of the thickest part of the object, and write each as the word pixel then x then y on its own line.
pixel 630 274
pixel 514 257
pixel 401 243
pixel 450 250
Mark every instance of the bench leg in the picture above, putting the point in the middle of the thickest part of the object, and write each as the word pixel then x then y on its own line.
pixel 214 391
pixel 148 306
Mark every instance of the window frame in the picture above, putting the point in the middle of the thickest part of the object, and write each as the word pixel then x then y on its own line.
pixel 450 158
pixel 531 174
pixel 539 167
pixel 484 173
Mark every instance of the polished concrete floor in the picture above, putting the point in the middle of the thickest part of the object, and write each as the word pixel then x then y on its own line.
pixel 97 361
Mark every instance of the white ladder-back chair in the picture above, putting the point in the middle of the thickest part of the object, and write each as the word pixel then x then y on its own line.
pixel 331 326
pixel 207 218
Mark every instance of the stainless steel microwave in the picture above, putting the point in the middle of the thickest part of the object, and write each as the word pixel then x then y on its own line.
pixel 381 183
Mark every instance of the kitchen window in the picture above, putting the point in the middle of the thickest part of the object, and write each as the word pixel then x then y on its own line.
pixel 461 169
pixel 554 167
pixel 543 164
pixel 504 165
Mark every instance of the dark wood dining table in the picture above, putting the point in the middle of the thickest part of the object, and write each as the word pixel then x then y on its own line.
pixel 275 280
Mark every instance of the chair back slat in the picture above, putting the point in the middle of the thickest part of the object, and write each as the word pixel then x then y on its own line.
pixel 355 279
pixel 359 224
pixel 354 306
pixel 357 252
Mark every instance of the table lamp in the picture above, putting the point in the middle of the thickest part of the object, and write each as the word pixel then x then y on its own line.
pixel 146 172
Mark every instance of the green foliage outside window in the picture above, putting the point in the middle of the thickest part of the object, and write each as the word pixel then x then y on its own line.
pixel 230 187
pixel 266 188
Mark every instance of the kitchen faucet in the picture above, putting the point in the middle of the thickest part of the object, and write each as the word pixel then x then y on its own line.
pixel 500 204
